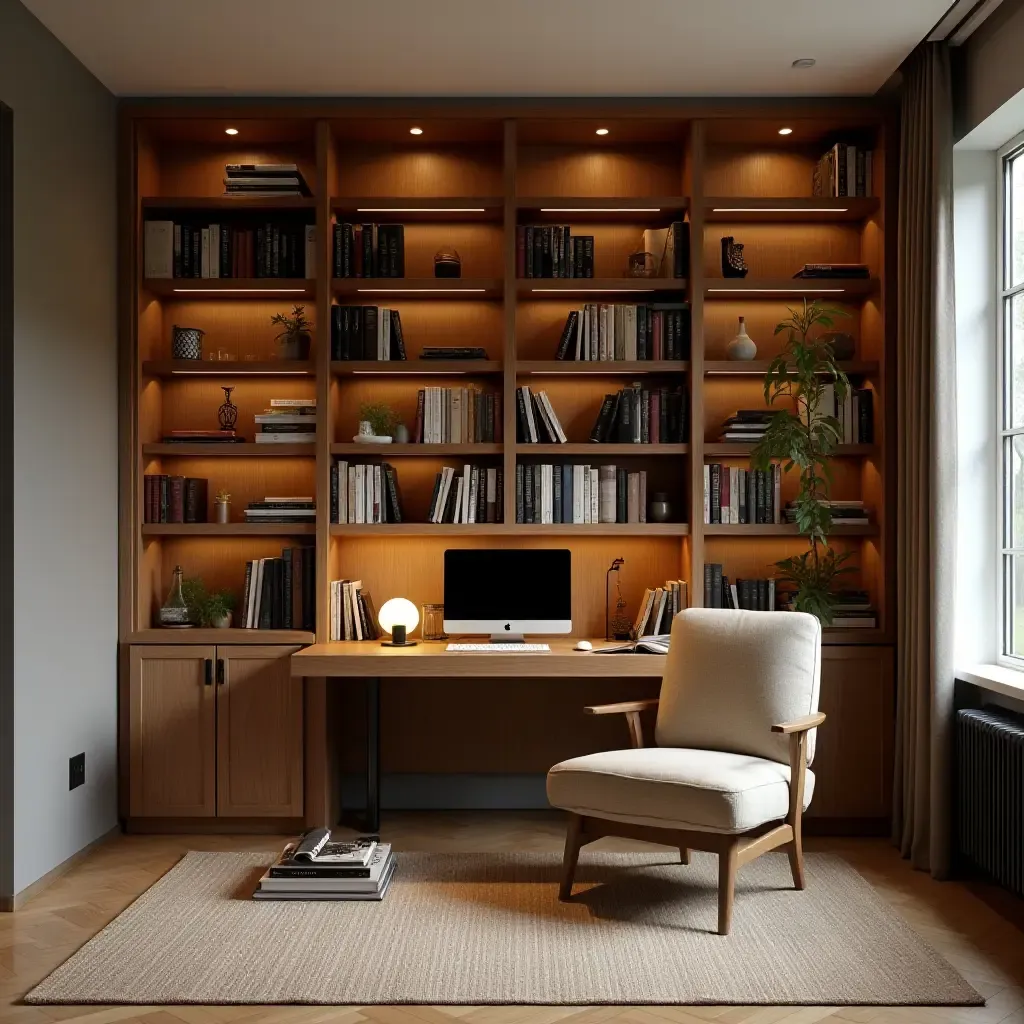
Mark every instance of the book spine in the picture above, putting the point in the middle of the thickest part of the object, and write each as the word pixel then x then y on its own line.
pixel 520 251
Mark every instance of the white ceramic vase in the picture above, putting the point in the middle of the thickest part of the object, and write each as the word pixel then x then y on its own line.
pixel 742 346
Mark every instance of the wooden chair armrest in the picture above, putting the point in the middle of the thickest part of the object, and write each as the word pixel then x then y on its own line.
pixel 622 709
pixel 800 724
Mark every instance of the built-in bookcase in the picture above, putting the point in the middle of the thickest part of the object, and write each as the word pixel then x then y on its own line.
pixel 467 183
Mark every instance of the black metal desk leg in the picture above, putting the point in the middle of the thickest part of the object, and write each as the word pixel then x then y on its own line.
pixel 372 755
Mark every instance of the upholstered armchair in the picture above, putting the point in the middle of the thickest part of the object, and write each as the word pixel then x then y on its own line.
pixel 735 734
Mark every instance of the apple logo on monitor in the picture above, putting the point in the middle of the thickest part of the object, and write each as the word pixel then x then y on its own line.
pixel 508 626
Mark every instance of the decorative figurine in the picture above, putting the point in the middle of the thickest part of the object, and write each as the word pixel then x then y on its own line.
pixel 447 263
pixel 616 626
pixel 742 346
pixel 222 507
pixel 227 414
pixel 732 258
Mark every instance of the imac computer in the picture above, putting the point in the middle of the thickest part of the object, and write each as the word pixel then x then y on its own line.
pixel 507 593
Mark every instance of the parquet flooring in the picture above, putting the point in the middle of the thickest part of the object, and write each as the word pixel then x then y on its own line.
pixel 982 945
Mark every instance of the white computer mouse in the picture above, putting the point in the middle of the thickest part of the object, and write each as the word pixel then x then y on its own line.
pixel 583 645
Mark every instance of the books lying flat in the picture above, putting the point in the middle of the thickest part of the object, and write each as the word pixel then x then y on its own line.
pixel 292 893
pixel 291 879
pixel 648 645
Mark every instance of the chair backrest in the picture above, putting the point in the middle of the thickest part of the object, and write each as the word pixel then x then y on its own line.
pixel 732 675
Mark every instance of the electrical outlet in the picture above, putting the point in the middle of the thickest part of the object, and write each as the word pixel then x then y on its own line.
pixel 76 771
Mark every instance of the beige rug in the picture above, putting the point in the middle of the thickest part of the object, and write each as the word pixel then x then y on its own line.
pixel 488 928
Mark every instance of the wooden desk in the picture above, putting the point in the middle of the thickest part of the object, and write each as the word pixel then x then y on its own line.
pixel 369 661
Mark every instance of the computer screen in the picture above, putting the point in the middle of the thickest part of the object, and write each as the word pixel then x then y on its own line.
pixel 496 591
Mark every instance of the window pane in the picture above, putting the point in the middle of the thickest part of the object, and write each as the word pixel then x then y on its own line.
pixel 1015 360
pixel 1015 491
pixel 1015 222
pixel 1014 598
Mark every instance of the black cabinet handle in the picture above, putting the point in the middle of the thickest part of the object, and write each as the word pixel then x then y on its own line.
pixel 208 672
pixel 221 674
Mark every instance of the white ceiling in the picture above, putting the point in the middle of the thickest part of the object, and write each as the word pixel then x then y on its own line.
pixel 489 47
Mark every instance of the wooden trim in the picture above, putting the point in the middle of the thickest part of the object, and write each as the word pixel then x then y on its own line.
pixel 800 724
pixel 284 827
pixel 6 502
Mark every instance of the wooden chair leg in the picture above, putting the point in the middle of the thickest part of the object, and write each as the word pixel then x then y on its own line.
pixel 573 842
pixel 684 855
pixel 796 858
pixel 726 887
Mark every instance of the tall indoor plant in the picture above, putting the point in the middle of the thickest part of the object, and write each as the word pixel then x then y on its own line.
pixel 803 436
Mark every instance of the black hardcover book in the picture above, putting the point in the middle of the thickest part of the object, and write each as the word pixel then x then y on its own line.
pixel 383 250
pixel 529 241
pixel 716 586
pixel 546 262
pixel 520 486
pixel 621 495
pixel 335 332
pixel 266 593
pixel 397 339
pixel 759 497
pixel 599 431
pixel 568 338
pixel 645 416
pixel 396 504
pixel 195 500
pixel 709 583
pixel 432 507
pixel 522 425
pixel 588 255
pixel 369 255
pixel 762 596
pixel 865 416
pixel 528 495
pixel 370 314
pixel 565 252
pixel 566 475
pixel 681 253
pixel 397 249
pixel 538 251
pixel 335 494
pixel 625 413
pixel 749 511
pixel 288 573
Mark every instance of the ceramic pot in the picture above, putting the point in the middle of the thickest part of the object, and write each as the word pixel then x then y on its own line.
pixel 401 434
pixel 659 509
pixel 294 346
pixel 223 623
pixel 742 346
pixel 186 342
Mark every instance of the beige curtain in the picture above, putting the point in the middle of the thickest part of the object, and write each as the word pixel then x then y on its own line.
pixel 926 465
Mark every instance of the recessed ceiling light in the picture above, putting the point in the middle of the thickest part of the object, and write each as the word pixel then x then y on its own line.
pixel 601 131
pixel 230 131
pixel 415 131
pixel 804 62
pixel 785 131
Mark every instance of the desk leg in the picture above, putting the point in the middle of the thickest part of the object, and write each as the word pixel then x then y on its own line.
pixel 372 755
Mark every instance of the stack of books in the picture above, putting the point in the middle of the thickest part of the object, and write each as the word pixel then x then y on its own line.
pixel 852 609
pixel 547 494
pixel 834 270
pixel 266 181
pixel 317 869
pixel 639 415
pixel 855 413
pixel 756 595
pixel 742 496
pixel 353 616
pixel 287 421
pixel 844 513
pixel 536 421
pixel 369 250
pixel 201 437
pixel 844 170
pixel 289 510
pixel 457 416
pixel 366 333
pixel 453 352
pixel 174 499
pixel 746 425
pixel 605 331
pixel 474 495
pixel 280 593
pixel 658 607
pixel 365 493
pixel 544 251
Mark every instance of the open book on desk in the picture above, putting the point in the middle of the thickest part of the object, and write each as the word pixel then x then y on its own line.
pixel 645 645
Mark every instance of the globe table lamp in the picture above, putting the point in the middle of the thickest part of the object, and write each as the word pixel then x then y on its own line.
pixel 398 617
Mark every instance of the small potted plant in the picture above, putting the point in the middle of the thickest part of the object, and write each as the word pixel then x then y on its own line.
pixel 206 609
pixel 377 423
pixel 294 339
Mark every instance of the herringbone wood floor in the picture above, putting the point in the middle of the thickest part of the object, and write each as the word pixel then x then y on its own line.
pixel 985 948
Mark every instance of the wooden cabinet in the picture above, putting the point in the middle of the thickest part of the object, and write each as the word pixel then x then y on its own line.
pixel 214 732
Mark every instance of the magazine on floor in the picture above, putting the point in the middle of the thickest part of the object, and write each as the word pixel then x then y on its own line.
pixel 316 847
pixel 330 882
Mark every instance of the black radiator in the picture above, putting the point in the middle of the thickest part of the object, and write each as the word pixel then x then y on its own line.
pixel 990 793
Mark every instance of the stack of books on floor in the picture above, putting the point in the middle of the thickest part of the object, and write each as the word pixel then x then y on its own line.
pixel 316 868
pixel 280 593
pixel 658 607
pixel 369 250
pixel 266 181
pixel 366 333
pixel 852 609
pixel 756 595
pixel 746 426
pixel 548 494
pixel 173 499
pixel 844 513
pixel 545 251
pixel 639 415
pixel 365 493
pixel 855 413
pixel 474 495
pixel 844 170
pixel 536 421
pixel 604 331
pixel 202 437
pixel 287 421
pixel 289 510
pixel 353 616
pixel 834 270
pixel 457 416
pixel 742 496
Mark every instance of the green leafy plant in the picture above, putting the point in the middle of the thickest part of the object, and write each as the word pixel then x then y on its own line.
pixel 381 417
pixel 803 436
pixel 206 608
pixel 294 324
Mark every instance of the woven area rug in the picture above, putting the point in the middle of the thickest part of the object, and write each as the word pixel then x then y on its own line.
pixel 488 928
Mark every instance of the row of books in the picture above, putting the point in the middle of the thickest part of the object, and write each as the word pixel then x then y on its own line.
pixel 369 250
pixel 173 499
pixel 639 415
pixel 464 415
pixel 844 513
pixel 852 609
pixel 299 509
pixel 272 249
pixel 536 420
pixel 366 332
pixel 622 331
pixel 353 616
pixel 364 493
pixel 855 413
pixel 547 494
pixel 658 607
pixel 266 181
pixel 742 496
pixel 474 495
pixel 756 595
pixel 317 868
pixel 280 593
pixel 830 271
pixel 287 421
pixel 844 170
pixel 545 251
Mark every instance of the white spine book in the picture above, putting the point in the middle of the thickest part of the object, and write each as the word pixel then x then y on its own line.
pixel 446 486
pixel 384 320
pixel 734 495
pixel 631 332
pixel 214 250
pixel 310 262
pixel 352 489
pixel 158 259
pixel 595 495
pixel 531 423
pixel 581 333
pixel 606 507
pixel 332 610
pixel 707 495
pixel 643 496
pixel 605 336
pixel 555 423
pixel 474 492
pixel 577 494
pixel 546 495
pixel 458 501
pixel 360 493
pixel 378 495
pixel 771 595
pixel 458 397
pixel 257 593
pixel 467 472
pixel 595 328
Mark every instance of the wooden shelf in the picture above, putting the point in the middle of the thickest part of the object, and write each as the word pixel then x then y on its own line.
pixel 416 367
pixel 603 368
pixel 759 367
pixel 511 529
pixel 413 210
pixel 243 448
pixel 739 448
pixel 760 210
pixel 601 450
pixel 192 288
pixel 228 203
pixel 553 287
pixel 228 529
pixel 586 209
pixel 783 530
pixel 757 287
pixel 384 450
pixel 228 368
pixel 196 635
pixel 419 287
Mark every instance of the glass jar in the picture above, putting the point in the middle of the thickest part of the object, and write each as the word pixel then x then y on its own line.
pixel 174 611
pixel 432 622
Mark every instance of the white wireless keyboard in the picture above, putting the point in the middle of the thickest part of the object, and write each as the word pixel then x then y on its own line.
pixel 513 648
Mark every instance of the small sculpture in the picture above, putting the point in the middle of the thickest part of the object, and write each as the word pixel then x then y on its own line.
pixel 732 258
pixel 742 346
pixel 227 414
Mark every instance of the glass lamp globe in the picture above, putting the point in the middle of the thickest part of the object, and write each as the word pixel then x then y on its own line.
pixel 399 617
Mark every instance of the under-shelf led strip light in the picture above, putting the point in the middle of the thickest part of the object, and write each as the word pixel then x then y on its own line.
pixel 421 209
pixel 600 209
pixel 780 291
pixel 253 291
pixel 431 291
pixel 779 209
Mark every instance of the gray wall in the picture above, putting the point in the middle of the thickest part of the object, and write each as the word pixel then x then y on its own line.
pixel 65 445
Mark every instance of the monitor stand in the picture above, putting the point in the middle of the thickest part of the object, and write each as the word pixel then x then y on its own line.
pixel 507 638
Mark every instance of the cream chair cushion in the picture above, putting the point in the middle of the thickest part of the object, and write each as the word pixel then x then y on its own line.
pixel 701 790
pixel 731 675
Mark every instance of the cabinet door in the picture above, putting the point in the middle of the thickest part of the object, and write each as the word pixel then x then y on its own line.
pixel 853 758
pixel 172 743
pixel 259 733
